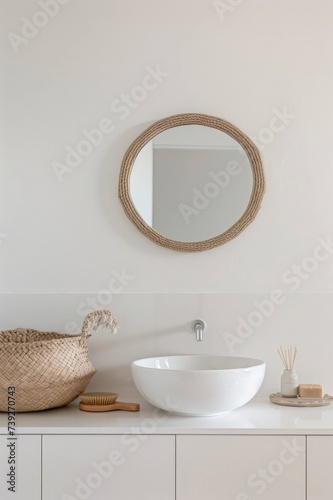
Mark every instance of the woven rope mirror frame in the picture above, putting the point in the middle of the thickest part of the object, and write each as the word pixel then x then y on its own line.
pixel 248 146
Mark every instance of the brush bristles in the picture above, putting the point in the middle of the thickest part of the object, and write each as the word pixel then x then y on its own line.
pixel 98 398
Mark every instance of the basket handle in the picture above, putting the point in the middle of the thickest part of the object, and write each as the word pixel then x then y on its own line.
pixel 96 319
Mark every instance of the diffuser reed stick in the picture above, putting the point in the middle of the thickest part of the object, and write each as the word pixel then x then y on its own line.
pixel 288 357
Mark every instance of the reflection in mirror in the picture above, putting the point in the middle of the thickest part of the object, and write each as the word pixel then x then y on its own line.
pixel 191 183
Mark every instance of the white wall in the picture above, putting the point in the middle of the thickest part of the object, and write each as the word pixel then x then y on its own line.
pixel 65 239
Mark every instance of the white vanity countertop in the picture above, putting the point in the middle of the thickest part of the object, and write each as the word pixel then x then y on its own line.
pixel 259 416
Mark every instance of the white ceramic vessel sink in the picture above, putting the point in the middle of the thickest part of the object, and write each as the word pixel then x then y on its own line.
pixel 198 385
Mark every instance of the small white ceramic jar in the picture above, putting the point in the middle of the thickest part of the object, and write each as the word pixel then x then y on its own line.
pixel 289 383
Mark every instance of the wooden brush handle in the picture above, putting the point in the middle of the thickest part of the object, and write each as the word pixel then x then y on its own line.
pixel 118 405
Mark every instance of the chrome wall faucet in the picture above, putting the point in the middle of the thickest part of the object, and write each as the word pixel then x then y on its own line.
pixel 198 327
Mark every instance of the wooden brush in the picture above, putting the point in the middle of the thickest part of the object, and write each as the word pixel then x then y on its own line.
pixel 104 401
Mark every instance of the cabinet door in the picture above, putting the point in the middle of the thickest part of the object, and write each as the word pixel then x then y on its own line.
pixel 319 467
pixel 20 467
pixel 129 467
pixel 240 467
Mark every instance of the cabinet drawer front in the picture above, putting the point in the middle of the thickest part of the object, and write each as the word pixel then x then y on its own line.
pixel 129 467
pixel 21 459
pixel 240 467
pixel 319 467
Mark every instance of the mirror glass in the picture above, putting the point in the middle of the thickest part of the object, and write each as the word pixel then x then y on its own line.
pixel 191 182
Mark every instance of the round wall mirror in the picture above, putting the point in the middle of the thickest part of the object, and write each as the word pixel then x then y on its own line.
pixel 191 182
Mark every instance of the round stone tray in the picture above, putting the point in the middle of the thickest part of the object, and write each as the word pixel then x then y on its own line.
pixel 278 399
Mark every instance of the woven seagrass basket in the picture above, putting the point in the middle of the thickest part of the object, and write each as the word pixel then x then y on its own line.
pixel 47 369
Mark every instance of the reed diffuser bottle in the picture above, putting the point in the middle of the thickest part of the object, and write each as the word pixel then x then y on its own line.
pixel 289 378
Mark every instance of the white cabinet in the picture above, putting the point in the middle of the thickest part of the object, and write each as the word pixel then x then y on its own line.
pixel 128 467
pixel 147 467
pixel 214 467
pixel 20 464
pixel 319 467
